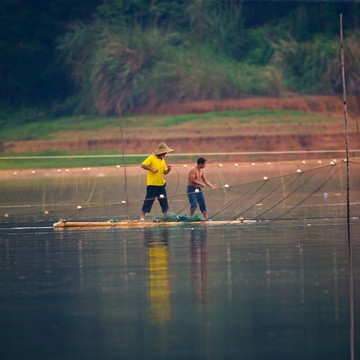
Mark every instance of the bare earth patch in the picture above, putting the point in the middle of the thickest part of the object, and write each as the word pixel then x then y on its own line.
pixel 188 138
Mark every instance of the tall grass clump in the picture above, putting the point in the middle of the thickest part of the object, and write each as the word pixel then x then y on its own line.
pixel 307 66
pixel 128 67
pixel 199 73
pixel 352 65
pixel 108 72
pixel 122 61
pixel 220 24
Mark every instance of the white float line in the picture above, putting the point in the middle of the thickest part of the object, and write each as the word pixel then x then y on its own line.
pixel 179 154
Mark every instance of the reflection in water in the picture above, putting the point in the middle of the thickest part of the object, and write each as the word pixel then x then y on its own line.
pixel 229 278
pixel 158 290
pixel 264 291
pixel 200 283
pixel 199 265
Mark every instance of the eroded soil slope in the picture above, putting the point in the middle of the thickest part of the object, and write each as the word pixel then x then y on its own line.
pixel 247 137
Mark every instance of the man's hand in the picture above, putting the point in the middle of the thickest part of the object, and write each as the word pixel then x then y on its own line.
pixel 213 187
pixel 154 170
pixel 169 167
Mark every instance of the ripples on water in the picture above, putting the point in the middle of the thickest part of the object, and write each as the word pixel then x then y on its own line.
pixel 255 291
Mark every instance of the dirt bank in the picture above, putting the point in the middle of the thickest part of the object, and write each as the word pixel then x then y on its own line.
pixel 324 104
pixel 236 143
pixel 246 137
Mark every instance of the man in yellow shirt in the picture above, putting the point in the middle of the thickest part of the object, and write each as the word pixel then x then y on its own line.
pixel 156 168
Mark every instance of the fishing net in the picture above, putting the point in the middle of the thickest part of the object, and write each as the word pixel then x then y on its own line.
pixel 172 217
pixel 291 190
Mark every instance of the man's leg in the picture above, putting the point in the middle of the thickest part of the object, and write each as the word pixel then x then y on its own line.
pixel 192 199
pixel 202 205
pixel 163 201
pixel 148 202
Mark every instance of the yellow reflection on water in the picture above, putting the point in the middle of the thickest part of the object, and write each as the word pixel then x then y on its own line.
pixel 158 289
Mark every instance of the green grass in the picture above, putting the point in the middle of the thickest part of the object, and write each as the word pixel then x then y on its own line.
pixel 49 129
pixel 61 160
pixel 247 116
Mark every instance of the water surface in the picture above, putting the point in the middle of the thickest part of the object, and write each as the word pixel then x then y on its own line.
pixel 265 290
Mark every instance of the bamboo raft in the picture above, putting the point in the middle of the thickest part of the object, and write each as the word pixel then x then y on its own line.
pixel 62 224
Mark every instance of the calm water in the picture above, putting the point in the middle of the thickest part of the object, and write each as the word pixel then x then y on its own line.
pixel 277 290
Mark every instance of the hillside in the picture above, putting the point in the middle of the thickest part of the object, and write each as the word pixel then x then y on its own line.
pixel 324 131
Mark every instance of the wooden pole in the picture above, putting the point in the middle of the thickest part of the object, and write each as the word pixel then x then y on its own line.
pixel 124 162
pixel 346 128
pixel 351 287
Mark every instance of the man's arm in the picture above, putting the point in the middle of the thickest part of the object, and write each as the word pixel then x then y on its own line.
pixel 207 182
pixel 145 167
pixel 168 170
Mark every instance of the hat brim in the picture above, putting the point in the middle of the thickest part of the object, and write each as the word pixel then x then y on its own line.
pixel 162 150
pixel 158 152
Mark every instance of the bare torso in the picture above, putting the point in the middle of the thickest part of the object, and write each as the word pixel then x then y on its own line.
pixel 195 176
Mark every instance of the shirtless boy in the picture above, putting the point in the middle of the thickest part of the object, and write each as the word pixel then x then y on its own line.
pixel 196 181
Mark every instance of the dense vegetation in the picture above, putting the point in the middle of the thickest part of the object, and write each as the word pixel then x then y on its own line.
pixel 112 56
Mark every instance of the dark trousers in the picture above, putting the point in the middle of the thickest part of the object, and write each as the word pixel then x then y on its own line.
pixel 153 192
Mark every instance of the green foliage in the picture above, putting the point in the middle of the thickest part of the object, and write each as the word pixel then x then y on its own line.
pixel 109 72
pixel 199 73
pixel 352 66
pixel 307 65
pixel 123 54
pixel 220 25
pixel 259 45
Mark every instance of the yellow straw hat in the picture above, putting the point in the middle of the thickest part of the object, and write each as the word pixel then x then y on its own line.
pixel 162 149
